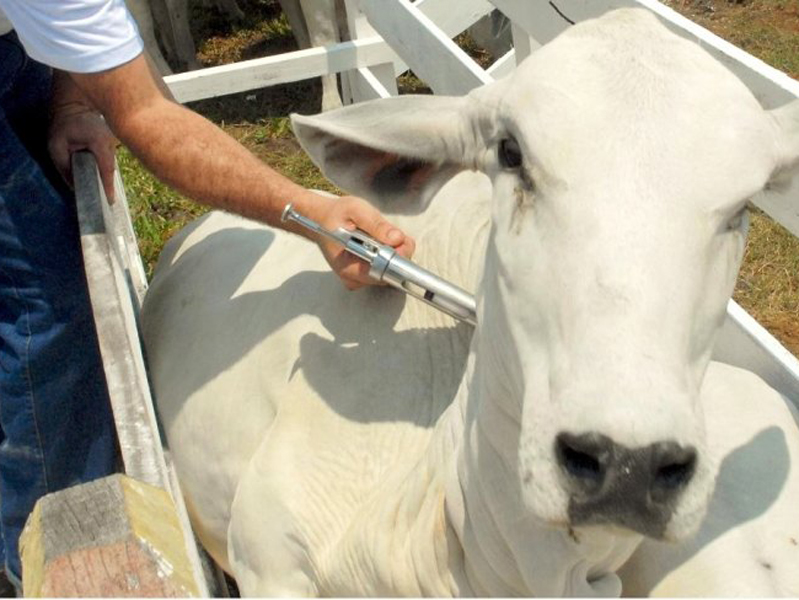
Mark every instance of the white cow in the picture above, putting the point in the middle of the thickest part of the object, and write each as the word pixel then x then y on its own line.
pixel 331 443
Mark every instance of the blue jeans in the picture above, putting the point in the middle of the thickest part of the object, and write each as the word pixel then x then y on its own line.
pixel 55 417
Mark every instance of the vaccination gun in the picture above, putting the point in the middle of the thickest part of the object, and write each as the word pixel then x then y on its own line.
pixel 386 265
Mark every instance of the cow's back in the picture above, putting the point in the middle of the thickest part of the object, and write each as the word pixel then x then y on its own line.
pixel 255 347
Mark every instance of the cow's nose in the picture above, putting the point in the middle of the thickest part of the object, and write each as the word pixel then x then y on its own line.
pixel 585 460
pixel 631 487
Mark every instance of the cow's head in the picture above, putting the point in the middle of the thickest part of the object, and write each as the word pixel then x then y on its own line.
pixel 622 158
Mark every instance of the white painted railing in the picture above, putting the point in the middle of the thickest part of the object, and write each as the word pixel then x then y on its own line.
pixel 391 35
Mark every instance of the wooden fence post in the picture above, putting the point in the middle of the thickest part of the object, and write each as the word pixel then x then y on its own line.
pixel 114 537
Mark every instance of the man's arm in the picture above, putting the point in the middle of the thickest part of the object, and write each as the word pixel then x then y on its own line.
pixel 191 154
pixel 76 125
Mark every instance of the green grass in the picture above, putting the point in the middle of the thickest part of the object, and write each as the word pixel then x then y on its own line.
pixel 768 29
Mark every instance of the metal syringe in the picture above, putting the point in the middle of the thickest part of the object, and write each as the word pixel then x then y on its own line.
pixel 386 265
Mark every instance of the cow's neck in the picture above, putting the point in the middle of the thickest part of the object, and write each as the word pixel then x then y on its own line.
pixel 451 522
pixel 505 551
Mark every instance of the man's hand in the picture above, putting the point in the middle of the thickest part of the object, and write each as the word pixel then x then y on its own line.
pixel 353 213
pixel 76 127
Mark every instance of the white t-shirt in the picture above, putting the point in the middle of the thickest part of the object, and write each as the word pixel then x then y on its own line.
pixel 5 24
pixel 81 36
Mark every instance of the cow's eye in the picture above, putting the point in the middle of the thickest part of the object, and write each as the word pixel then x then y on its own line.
pixel 510 157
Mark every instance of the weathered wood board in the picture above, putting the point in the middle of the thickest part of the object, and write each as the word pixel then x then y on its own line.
pixel 114 537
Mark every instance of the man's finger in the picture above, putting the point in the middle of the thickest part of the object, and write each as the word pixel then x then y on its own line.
pixel 385 232
pixel 407 248
pixel 105 164
pixel 352 270
pixel 59 154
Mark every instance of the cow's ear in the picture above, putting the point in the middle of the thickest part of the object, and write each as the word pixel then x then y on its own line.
pixel 397 152
pixel 787 121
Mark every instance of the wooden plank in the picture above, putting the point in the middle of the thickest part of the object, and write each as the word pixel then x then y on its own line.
pixel 503 66
pixel 314 62
pixel 451 22
pixel 743 342
pixel 116 285
pixel 212 578
pixel 540 19
pixel 366 83
pixel 282 68
pixel 113 537
pixel 452 18
pixel 119 341
pixel 432 55
pixel 523 44
pixel 127 243
pixel 782 207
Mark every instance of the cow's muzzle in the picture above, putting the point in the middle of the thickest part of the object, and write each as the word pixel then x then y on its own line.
pixel 634 488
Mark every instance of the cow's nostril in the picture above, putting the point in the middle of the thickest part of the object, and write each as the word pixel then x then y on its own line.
pixel 672 476
pixel 583 458
pixel 674 468
pixel 581 464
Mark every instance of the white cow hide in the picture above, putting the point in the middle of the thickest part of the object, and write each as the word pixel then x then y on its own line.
pixel 332 443
pixel 748 545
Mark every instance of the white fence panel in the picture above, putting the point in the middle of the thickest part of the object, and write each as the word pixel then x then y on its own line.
pixel 453 18
pixel 282 68
pixel 523 43
pixel 743 342
pixel 428 50
pixel 366 83
pixel 503 66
